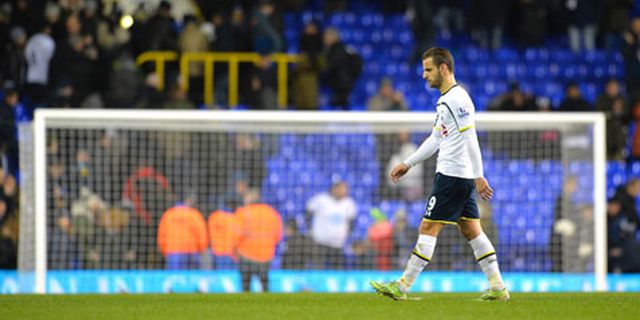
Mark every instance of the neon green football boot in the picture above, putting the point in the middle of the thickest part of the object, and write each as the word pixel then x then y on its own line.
pixel 490 295
pixel 389 289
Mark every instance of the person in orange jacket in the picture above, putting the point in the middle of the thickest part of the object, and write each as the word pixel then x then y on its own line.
pixel 182 236
pixel 224 233
pixel 261 231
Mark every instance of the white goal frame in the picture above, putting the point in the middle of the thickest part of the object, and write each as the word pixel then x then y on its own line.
pixel 53 118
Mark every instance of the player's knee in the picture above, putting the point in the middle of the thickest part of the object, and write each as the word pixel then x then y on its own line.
pixel 430 228
pixel 469 229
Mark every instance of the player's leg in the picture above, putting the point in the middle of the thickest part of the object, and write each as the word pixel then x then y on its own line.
pixel 421 254
pixel 420 257
pixel 246 271
pixel 443 207
pixel 485 254
pixel 263 274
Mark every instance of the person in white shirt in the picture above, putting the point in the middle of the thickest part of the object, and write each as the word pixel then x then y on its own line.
pixel 410 187
pixel 459 173
pixel 331 216
pixel 38 52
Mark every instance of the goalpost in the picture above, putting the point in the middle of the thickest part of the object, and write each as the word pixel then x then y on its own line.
pixel 96 182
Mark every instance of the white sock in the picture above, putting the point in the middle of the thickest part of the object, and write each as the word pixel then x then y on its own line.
pixel 486 256
pixel 419 259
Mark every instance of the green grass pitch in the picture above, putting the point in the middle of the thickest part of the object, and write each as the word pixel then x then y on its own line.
pixel 354 306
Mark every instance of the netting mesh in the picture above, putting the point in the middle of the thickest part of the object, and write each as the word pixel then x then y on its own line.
pixel 326 186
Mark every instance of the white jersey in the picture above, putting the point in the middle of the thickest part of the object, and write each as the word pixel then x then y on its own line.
pixel 455 135
pixel 38 52
pixel 331 219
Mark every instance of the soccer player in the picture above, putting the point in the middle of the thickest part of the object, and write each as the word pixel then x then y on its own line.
pixel 458 173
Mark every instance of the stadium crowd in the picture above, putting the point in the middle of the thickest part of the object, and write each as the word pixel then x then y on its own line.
pixel 79 54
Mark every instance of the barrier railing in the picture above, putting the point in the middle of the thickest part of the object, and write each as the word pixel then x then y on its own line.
pixel 282 61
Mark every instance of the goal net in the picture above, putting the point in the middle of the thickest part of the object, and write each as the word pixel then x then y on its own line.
pixel 99 187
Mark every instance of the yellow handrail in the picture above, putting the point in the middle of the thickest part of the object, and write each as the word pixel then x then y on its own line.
pixel 159 58
pixel 232 58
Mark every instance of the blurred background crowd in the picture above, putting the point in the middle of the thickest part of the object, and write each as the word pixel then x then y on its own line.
pixel 512 55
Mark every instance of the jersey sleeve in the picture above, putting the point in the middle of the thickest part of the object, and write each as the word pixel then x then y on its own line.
pixel 473 150
pixel 428 147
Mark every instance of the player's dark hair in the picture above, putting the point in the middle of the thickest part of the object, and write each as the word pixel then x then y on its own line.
pixel 439 56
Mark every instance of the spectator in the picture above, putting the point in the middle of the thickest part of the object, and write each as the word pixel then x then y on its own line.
pixel 631 53
pixel 487 19
pixel 584 16
pixel 76 61
pixel 305 84
pixel 261 231
pixel 24 14
pixel 224 232
pixel 88 19
pixel 404 236
pixel 450 17
pixel 39 51
pixel 117 245
pixel 151 96
pixel 530 25
pixel 573 100
pixel 125 83
pixel 233 196
pixel 622 246
pixel 264 85
pixel 387 99
pixel 86 209
pixel 513 100
pixel 110 37
pixel 82 173
pixel 331 215
pixel 266 39
pixel 10 194
pixel 617 128
pixel 14 63
pixel 4 211
pixel 147 191
pixel 332 6
pixel 8 243
pixel 223 40
pixel 584 240
pixel 627 195
pixel 144 186
pixel 160 30
pixel 297 247
pixel 380 236
pixel 250 148
pixel 8 129
pixel 563 225
pixel 62 253
pixel 193 40
pixel 182 236
pixel 177 99
pixel 241 40
pixel 615 22
pixel 410 187
pixel 422 26
pixel 337 75
pixel 611 93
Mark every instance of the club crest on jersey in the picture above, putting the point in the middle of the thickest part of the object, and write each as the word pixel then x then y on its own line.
pixel 463 112
pixel 443 130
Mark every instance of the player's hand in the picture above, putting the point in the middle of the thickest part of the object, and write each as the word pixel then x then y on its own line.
pixel 483 188
pixel 398 171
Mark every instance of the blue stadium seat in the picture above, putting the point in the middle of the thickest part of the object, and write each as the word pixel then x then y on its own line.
pixel 372 20
pixel 506 54
pixel 634 168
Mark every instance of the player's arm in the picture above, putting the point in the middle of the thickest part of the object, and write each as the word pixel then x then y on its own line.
pixel 425 151
pixel 473 150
